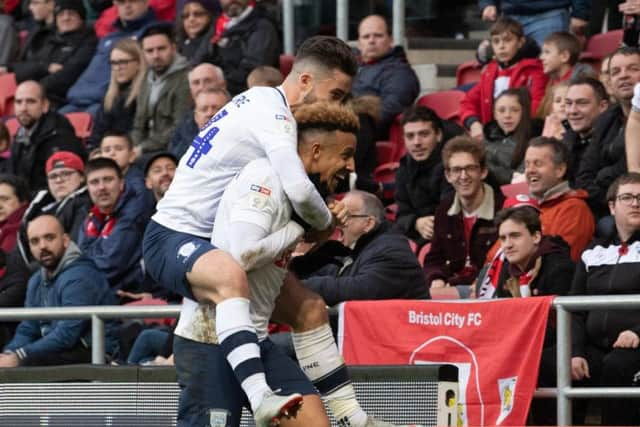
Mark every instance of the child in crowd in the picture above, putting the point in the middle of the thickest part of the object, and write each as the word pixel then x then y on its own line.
pixel 509 70
pixel 507 137
pixel 560 54
pixel 554 122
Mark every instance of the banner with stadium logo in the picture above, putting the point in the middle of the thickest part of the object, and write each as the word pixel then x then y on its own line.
pixel 496 346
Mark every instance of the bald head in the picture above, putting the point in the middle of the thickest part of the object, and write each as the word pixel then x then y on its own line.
pixel 204 76
pixel 374 39
pixel 47 241
pixel 30 103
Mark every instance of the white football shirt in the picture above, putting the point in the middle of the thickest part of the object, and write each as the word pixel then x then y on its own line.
pixel 254 124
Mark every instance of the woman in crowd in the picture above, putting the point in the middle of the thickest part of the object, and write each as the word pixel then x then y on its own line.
pixel 195 30
pixel 507 136
pixel 128 70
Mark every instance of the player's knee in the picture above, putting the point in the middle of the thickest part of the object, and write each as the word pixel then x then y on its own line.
pixel 313 313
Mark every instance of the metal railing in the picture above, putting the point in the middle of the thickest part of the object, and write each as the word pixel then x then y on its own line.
pixel 564 306
pixel 342 23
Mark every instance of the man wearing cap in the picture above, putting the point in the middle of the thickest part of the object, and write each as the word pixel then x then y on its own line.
pixel 564 211
pixel 57 56
pixel 41 133
pixel 164 94
pixel 66 198
pixel 159 172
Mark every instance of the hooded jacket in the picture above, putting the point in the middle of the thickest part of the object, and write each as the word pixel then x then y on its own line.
pixel 579 8
pixel 114 241
pixel 447 258
pixel 477 105
pixel 45 46
pixel 155 121
pixel 607 267
pixel 564 212
pixel 75 282
pixel 29 154
pixel 92 84
pixel 380 266
pixel 246 45
pixel 393 80
pixel 420 187
pixel 70 211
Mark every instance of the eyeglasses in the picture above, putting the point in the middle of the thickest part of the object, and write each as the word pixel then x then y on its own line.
pixel 628 198
pixel 64 175
pixel 195 14
pixel 359 216
pixel 120 62
pixel 469 169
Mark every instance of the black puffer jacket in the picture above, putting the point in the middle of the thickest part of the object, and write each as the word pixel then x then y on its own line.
pixel 604 159
pixel 252 42
pixel 420 187
pixel 29 155
pixel 380 266
pixel 46 46
pixel 606 267
pixel 118 119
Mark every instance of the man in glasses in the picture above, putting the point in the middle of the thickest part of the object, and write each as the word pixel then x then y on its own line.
pixel 464 227
pixel 66 198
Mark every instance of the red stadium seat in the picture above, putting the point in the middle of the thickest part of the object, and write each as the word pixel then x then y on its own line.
pixel 413 245
pixel 8 87
pixel 601 45
pixel 468 72
pixel 397 138
pixel 445 103
pixel 286 63
pixel 82 124
pixel 512 190
pixel 384 152
pixel 386 174
pixel 423 253
pixel 12 126
pixel 391 212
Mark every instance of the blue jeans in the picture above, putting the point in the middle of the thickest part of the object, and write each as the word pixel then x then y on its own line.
pixel 147 346
pixel 539 26
pixel 72 108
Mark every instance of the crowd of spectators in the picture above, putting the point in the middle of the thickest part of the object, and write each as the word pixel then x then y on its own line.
pixel 73 209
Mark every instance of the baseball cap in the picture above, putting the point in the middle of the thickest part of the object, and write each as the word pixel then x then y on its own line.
pixel 64 159
pixel 75 5
pixel 520 200
pixel 156 156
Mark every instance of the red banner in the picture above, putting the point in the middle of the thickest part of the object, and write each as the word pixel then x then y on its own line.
pixel 496 346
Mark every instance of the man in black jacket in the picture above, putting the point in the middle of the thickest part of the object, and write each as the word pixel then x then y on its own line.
pixel 605 159
pixel 57 56
pixel 370 262
pixel 249 39
pixel 41 133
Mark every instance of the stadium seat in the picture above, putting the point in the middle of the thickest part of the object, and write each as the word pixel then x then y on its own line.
pixel 286 63
pixel 445 103
pixel 386 174
pixel 397 139
pixel 423 253
pixel 384 152
pixel 512 190
pixel 168 321
pixel 82 124
pixel 391 212
pixel 12 125
pixel 468 72
pixel 413 245
pixel 8 87
pixel 601 45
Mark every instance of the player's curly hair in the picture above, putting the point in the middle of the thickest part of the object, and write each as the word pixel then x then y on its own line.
pixel 327 117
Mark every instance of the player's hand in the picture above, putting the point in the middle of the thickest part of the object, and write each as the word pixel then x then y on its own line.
pixel 579 368
pixel 630 7
pixel 627 339
pixel 490 13
pixel 54 68
pixel 340 213
pixel 476 131
pixel 424 226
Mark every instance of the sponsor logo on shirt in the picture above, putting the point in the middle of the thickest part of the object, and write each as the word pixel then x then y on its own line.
pixel 263 190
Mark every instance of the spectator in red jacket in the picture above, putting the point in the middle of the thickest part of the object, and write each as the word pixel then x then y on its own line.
pixel 508 70
pixel 14 199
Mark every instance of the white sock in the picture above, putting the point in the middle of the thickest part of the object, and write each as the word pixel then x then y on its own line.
pixel 239 343
pixel 320 360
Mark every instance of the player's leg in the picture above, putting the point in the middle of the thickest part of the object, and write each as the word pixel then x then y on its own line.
pixel 283 373
pixel 192 267
pixel 316 349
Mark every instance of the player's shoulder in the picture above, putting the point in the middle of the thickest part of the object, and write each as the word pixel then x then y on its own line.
pixel 263 100
pixel 259 176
